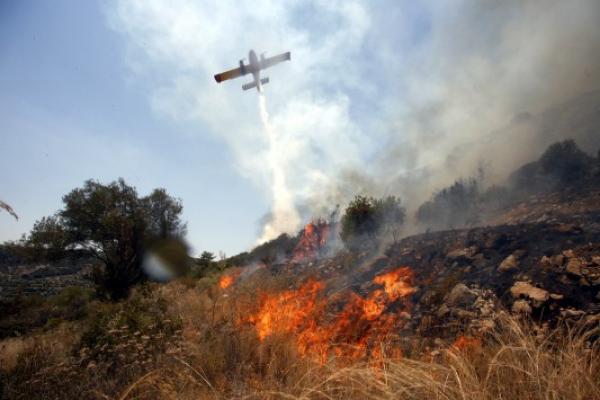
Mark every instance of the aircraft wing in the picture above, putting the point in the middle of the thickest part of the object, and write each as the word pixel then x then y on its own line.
pixel 269 62
pixel 231 74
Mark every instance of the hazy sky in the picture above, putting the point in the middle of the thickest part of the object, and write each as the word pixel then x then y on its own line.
pixel 377 92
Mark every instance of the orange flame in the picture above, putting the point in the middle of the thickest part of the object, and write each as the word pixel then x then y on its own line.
pixel 467 344
pixel 313 240
pixel 226 281
pixel 361 329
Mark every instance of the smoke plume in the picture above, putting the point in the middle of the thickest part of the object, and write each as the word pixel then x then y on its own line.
pixel 283 217
pixel 386 98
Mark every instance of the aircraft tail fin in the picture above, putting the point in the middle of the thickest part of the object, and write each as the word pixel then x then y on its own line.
pixel 251 85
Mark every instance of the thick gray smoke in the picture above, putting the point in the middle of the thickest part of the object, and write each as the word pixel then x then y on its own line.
pixel 381 98
pixel 492 86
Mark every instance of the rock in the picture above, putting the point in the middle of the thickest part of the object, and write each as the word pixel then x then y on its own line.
pixel 546 261
pixel 521 307
pixel 596 260
pixel 527 290
pixel 556 296
pixel 461 254
pixel 568 253
pixel 461 296
pixel 574 266
pixel 510 263
pixel 558 260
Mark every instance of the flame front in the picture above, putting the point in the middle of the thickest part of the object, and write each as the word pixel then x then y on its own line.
pixel 312 241
pixel 360 330
pixel 288 311
pixel 226 281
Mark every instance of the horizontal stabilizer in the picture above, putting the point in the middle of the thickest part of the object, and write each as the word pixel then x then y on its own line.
pixel 252 84
pixel 249 85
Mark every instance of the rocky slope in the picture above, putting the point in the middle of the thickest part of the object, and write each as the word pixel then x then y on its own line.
pixel 542 259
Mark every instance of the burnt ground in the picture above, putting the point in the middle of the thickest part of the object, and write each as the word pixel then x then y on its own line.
pixel 542 261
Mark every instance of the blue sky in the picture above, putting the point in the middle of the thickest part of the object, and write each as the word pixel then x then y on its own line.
pixel 70 111
pixel 381 97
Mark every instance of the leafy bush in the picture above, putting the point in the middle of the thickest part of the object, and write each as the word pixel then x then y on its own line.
pixel 367 220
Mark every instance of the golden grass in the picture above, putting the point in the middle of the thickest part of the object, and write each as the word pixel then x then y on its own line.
pixel 214 357
pixel 515 364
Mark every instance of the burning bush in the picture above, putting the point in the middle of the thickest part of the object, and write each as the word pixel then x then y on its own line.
pixel 312 242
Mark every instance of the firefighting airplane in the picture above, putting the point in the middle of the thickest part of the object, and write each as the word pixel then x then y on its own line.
pixel 253 67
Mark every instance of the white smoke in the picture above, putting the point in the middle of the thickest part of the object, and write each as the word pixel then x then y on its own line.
pixel 284 217
pixel 391 97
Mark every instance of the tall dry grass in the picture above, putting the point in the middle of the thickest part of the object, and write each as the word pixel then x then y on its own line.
pixel 519 360
pixel 515 363
pixel 210 355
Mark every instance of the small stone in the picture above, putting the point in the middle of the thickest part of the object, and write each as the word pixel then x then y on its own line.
pixel 521 307
pixel 568 253
pixel 546 261
pixel 460 254
pixel 556 296
pixel 558 260
pixel 574 266
pixel 527 290
pixel 583 282
pixel 508 264
pixel 461 295
pixel 596 260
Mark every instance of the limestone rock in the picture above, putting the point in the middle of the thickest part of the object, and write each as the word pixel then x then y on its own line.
pixel 574 266
pixel 461 296
pixel 465 254
pixel 568 253
pixel 510 263
pixel 527 290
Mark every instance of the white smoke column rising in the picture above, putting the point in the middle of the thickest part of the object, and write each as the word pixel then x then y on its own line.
pixel 284 217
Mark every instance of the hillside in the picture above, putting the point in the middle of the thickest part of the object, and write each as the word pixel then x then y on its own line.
pixel 440 314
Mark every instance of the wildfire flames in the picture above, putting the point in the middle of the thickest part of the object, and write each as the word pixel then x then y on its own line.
pixel 313 240
pixel 226 281
pixel 359 330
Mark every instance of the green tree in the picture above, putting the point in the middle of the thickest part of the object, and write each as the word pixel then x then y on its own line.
pixel 48 239
pixel 358 224
pixel 113 224
pixel 367 220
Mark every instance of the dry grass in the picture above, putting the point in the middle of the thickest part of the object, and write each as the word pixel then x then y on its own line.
pixel 209 355
pixel 514 364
